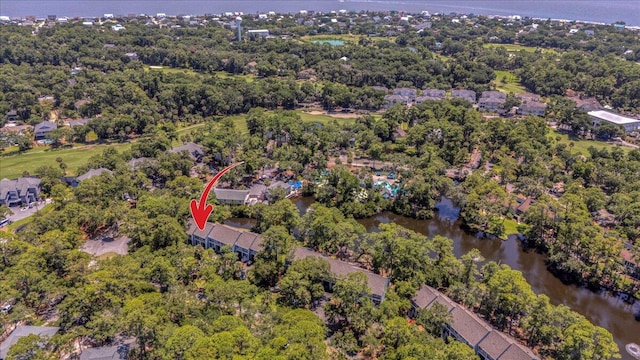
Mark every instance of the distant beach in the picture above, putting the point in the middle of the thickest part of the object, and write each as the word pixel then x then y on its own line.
pixel 601 11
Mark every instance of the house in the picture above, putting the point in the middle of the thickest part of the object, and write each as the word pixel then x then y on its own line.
pixel 77 122
pixel 195 151
pixel 21 331
pixel 132 56
pixel 377 283
pixel 22 191
pixel 75 181
pixel 468 95
pixel 469 329
pixel 43 129
pixel 434 94
pixel 216 236
pixel 630 263
pixel 492 101
pixel 231 196
pixel 258 33
pixel 532 108
pixel 16 129
pixel 137 163
pixel 116 352
pixel 391 100
pixel 12 115
pixel 409 93
pixel 288 189
pixel 600 116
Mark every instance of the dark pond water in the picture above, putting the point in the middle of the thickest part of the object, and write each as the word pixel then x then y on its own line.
pixel 601 308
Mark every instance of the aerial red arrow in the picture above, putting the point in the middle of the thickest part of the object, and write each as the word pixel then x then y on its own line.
pixel 201 211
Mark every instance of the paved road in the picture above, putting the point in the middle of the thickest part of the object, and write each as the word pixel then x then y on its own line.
pixel 19 214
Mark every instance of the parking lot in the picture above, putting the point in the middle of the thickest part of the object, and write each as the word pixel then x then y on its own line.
pixel 20 213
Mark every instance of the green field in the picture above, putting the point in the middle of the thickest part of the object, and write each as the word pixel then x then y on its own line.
pixel 516 48
pixel 582 146
pixel 510 227
pixel 13 166
pixel 512 84
pixel 347 38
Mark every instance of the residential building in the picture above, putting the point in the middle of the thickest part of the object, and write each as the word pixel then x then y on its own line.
pixel 630 263
pixel 216 236
pixel 406 92
pixel 195 151
pixel 43 129
pixel 288 189
pixel 21 331
pixel 390 100
pixel 258 33
pixel 377 283
pixel 76 122
pixel 231 196
pixel 468 95
pixel 468 328
pixel 117 352
pixel 93 172
pixel 21 191
pixel 492 101
pixel 434 94
pixel 600 116
pixel 12 115
pixel 532 108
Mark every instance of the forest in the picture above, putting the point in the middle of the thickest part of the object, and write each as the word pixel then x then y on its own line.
pixel 184 302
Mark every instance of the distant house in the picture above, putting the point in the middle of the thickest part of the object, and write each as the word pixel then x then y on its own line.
pixel 391 100
pixel 288 189
pixel 215 236
pixel 43 129
pixel 75 181
pixel 195 151
pixel 378 284
pixel 231 197
pixel 12 115
pixel 492 101
pixel 630 263
pixel 471 330
pixel 258 33
pixel 16 129
pixel 132 56
pixel 532 108
pixel 116 352
pixel 76 122
pixel 468 95
pixel 21 331
pixel 409 93
pixel 434 94
pixel 137 163
pixel 21 191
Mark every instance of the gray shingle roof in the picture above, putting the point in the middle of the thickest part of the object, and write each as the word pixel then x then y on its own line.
pixel 377 283
pixel 93 172
pixel 224 234
pixel 195 151
pixel 22 331
pixel 424 296
pixel 106 353
pixel 45 126
pixel 21 185
pixel 230 194
pixel 494 344
pixel 517 352
pixel 469 326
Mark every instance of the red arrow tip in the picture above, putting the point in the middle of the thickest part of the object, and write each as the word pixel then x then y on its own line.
pixel 200 213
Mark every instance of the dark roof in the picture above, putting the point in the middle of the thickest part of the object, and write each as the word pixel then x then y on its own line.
pixel 22 331
pixel 231 194
pixel 106 353
pixel 494 344
pixel 21 185
pixel 45 126
pixel 377 283
pixel 424 297
pixel 93 172
pixel 468 326
pixel 249 241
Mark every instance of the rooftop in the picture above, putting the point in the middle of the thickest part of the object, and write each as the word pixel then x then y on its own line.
pixel 231 194
pixel 613 118
pixel 106 353
pixel 93 172
pixel 22 331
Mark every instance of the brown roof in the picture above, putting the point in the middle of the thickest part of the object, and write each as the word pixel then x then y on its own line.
pixel 468 326
pixel 377 283
pixel 424 297
pixel 203 233
pixel 224 234
pixel 246 239
pixel 517 352
pixel 628 256
pixel 494 344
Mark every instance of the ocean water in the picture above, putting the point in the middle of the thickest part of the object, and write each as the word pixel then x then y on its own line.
pixel 606 11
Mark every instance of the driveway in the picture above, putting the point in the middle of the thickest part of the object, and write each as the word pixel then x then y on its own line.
pixel 19 213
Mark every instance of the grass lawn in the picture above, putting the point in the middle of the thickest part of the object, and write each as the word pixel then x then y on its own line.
pixel 170 70
pixel 510 227
pixel 582 146
pixel 245 77
pixel 512 84
pixel 515 48
pixel 13 166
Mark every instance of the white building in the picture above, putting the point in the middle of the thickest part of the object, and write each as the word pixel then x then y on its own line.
pixel 599 116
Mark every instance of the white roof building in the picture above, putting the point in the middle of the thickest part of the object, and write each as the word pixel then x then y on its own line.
pixel 599 116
